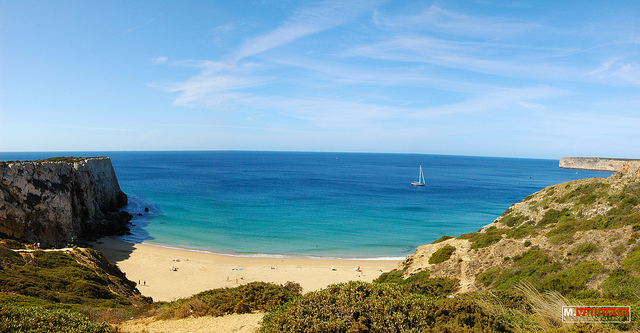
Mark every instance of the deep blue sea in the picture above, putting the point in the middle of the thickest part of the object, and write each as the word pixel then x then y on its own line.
pixel 344 205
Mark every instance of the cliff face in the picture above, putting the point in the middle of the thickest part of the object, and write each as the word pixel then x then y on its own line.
pixel 625 166
pixel 55 202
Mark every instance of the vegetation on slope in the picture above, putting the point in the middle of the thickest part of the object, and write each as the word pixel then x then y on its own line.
pixel 36 319
pixel 55 279
pixel 255 296
pixel 367 307
pixel 67 159
pixel 578 238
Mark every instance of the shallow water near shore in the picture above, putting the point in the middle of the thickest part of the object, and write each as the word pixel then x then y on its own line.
pixel 339 205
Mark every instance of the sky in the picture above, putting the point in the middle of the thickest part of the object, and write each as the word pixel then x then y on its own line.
pixel 533 79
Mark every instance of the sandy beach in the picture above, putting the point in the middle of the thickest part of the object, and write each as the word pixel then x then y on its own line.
pixel 167 274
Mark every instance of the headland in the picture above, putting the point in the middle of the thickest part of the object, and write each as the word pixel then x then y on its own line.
pixel 597 163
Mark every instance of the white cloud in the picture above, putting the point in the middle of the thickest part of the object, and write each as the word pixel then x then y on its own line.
pixel 160 60
pixel 616 71
pixel 305 21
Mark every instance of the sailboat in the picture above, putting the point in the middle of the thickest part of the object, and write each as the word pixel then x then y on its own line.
pixel 420 181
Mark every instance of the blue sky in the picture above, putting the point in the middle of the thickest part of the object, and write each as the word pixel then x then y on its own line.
pixel 541 79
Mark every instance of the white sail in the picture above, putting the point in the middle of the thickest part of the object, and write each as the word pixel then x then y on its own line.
pixel 420 181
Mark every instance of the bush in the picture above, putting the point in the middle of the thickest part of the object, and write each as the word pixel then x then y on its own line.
pixel 441 239
pixel 442 254
pixel 483 239
pixel 632 261
pixel 488 276
pixel 421 283
pixel 573 280
pixel 514 219
pixel 364 307
pixel 462 315
pixel 439 286
pixel 255 296
pixel 351 307
pixel 394 276
pixel 620 284
pixel 35 319
pixel 584 249
pixel 55 277
pixel 553 216
pixel 532 265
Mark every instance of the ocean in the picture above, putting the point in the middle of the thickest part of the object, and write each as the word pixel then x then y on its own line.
pixel 324 205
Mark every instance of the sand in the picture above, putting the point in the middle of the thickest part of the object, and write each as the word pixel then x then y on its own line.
pixel 244 323
pixel 167 274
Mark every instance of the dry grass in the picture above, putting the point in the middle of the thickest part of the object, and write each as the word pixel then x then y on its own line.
pixel 546 306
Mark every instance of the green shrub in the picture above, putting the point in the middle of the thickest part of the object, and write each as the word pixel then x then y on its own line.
pixel 55 277
pixel 621 284
pixel 583 249
pixel 351 307
pixel 573 280
pixel 394 276
pixel 514 219
pixel 632 262
pixel 487 277
pixel 34 319
pixel 532 265
pixel 586 194
pixel 442 254
pixel 462 314
pixel 483 239
pixel 441 239
pixel 439 286
pixel 362 307
pixel 421 283
pixel 553 216
pixel 255 296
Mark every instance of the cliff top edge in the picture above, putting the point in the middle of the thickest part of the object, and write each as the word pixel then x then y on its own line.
pixel 61 159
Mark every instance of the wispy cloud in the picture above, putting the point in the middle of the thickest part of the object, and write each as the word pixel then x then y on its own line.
pixel 221 80
pixel 435 18
pixel 304 22
pixel 160 60
pixel 217 84
pixel 495 100
pixel 617 71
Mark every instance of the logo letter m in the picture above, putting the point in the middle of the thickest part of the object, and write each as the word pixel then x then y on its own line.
pixel 568 311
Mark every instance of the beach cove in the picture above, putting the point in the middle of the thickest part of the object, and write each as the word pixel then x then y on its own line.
pixel 168 274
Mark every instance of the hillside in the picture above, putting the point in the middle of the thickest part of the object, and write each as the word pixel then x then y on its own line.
pixel 579 238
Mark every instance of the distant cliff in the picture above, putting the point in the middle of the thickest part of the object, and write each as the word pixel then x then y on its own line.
pixel 600 164
pixel 59 200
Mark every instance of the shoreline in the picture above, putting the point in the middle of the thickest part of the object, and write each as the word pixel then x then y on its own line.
pixel 167 274
pixel 261 255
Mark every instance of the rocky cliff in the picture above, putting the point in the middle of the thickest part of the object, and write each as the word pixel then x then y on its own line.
pixel 599 164
pixel 56 201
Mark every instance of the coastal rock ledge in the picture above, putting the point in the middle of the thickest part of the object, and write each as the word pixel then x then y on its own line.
pixel 625 167
pixel 58 201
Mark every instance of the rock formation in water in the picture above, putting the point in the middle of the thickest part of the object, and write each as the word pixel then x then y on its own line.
pixel 58 201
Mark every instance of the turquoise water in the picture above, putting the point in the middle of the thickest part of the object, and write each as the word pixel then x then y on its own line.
pixel 341 205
